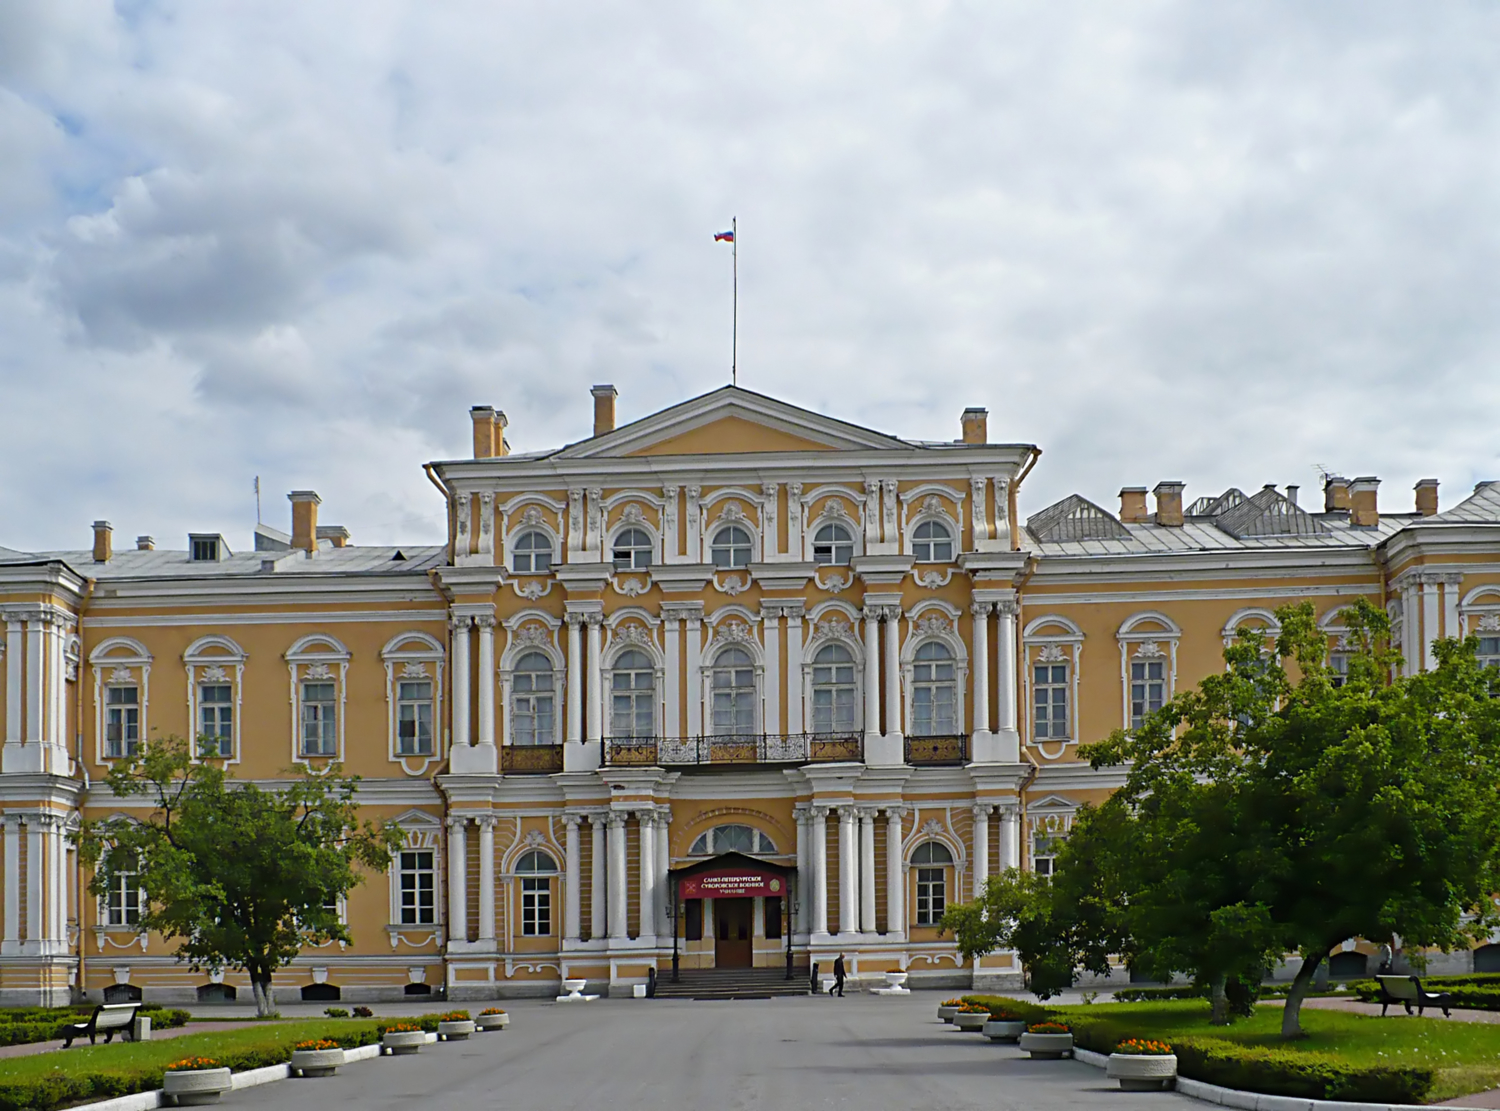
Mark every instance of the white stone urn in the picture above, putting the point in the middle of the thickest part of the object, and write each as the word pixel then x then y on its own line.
pixel 574 988
pixel 194 1087
pixel 316 1062
pixel 896 981
pixel 1002 1030
pixel 972 1021
pixel 1139 1072
pixel 946 1013
pixel 1047 1047
pixel 402 1042
pixel 457 1030
pixel 492 1022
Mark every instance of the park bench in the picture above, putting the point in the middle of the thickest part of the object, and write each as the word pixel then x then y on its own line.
pixel 1407 990
pixel 107 1019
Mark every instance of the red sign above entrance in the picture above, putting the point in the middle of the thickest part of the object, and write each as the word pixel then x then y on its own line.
pixel 731 883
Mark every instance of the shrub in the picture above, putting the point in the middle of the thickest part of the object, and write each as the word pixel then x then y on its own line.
pixel 1015 1010
pixel 1147 995
pixel 336 1012
pixel 363 1012
pixel 1143 1047
pixel 1284 1072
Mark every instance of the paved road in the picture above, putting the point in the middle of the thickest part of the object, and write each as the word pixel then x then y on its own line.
pixel 865 1053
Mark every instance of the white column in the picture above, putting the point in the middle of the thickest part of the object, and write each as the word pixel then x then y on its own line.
pixel 15 652
pixel 458 881
pixel 804 875
pixel 867 871
pixel 694 677
pixel 772 648
pixel 1005 677
pixel 461 735
pixel 575 679
pixel 872 674
pixel 1430 627
pixel 848 873
pixel 895 890
pixel 598 906
pixel 486 623
pixel 619 926
pixel 893 672
pixel 572 880
pixel 60 881
pixel 647 850
pixel 663 881
pixel 594 719
pixel 981 847
pixel 1451 587
pixel 487 878
pixel 671 725
pixel 51 880
pixel 35 630
pixel 819 846
pixel 34 885
pixel 1411 623
pixel 12 942
pixel 794 672
pixel 981 666
pixel 1010 837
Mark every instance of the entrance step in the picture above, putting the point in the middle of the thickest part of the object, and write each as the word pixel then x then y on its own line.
pixel 732 983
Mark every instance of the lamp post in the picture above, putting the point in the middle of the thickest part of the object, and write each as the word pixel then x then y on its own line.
pixel 788 918
pixel 673 910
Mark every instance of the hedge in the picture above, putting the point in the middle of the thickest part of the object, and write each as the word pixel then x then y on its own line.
pixel 1467 992
pixel 1027 1012
pixel 45 1024
pixel 1147 995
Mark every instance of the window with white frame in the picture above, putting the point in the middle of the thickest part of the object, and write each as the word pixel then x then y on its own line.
pixel 417 882
pixel 320 712
pixel 733 688
pixel 216 719
pixel 632 695
pixel 531 554
pixel 632 550
pixel 931 860
pixel 833 691
pixel 414 704
pixel 1338 667
pixel 1148 689
pixel 1044 847
pixel 934 696
pixel 536 870
pixel 122 902
pixel 1489 651
pixel 732 838
pixel 731 547
pixel 932 542
pixel 122 720
pixel 533 695
pixel 1049 694
pixel 833 546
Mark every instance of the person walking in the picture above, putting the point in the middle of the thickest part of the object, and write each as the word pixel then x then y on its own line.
pixel 838 975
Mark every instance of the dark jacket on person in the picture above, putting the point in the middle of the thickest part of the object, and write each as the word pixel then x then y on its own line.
pixel 838 969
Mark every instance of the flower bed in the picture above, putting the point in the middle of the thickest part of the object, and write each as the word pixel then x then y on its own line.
pixel 1143 1047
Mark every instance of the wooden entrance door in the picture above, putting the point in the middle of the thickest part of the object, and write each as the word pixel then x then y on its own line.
pixel 733 919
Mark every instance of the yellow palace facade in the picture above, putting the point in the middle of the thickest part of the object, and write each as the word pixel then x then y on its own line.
pixel 737 682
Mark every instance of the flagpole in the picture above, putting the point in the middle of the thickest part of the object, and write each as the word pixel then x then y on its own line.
pixel 734 342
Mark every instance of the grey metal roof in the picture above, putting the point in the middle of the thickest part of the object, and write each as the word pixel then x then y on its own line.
pixel 1199 534
pixel 1074 519
pixel 162 564
pixel 1267 513
pixel 1482 506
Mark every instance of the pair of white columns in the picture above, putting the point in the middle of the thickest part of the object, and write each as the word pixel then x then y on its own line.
pixel 857 875
pixel 458 878
pixel 462 696
pixel 585 669
pixel 609 897
pixel 46 882
pixel 1010 841
pixel 1005 702
pixel 892 617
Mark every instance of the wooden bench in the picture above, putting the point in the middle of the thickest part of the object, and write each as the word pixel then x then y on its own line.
pixel 107 1019
pixel 1407 990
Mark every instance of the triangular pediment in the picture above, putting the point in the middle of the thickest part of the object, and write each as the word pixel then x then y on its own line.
pixel 732 421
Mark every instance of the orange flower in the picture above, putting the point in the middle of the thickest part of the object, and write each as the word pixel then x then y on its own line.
pixel 317 1043
pixel 189 1064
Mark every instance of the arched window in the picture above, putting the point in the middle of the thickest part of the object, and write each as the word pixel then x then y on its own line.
pixel 733 693
pixel 533 553
pixel 732 839
pixel 632 550
pixel 934 696
pixel 932 543
pixel 833 698
pixel 731 547
pixel 633 696
pixel 833 546
pixel 536 870
pixel 533 693
pixel 931 861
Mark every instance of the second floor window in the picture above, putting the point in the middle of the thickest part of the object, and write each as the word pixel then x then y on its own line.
pixel 122 905
pixel 833 546
pixel 1044 848
pixel 319 719
pixel 1338 668
pixel 418 886
pixel 632 696
pixel 632 550
pixel 532 696
pixel 733 693
pixel 216 719
pixel 122 721
pixel 414 717
pixel 731 547
pixel 1489 651
pixel 932 543
pixel 934 695
pixel 1148 690
pixel 532 553
pixel 833 690
pixel 1050 699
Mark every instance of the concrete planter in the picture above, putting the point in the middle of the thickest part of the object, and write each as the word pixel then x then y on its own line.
pixel 402 1042
pixel 194 1087
pixel 946 1013
pixel 492 1022
pixel 1139 1073
pixel 457 1031
pixel 316 1062
pixel 972 1021
pixel 1047 1047
pixel 998 1031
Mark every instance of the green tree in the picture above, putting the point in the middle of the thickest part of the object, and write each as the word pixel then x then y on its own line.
pixel 244 877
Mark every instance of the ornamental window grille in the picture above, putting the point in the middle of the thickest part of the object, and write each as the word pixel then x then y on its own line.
pixel 633 696
pixel 932 543
pixel 732 838
pixel 532 553
pixel 536 870
pixel 414 717
pixel 319 719
pixel 833 692
pixel 833 546
pixel 533 694
pixel 1148 689
pixel 632 550
pixel 1049 687
pixel 216 719
pixel 730 547
pixel 934 696
pixel 123 900
pixel 417 879
pixel 932 861
pixel 122 721
pixel 733 680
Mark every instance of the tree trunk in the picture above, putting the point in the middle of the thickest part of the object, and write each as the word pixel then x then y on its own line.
pixel 1219 1016
pixel 1291 1017
pixel 264 1006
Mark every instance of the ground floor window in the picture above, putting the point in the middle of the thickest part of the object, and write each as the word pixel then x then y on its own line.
pixel 536 870
pixel 931 861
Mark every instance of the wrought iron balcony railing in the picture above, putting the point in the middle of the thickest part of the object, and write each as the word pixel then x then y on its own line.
pixel 531 759
pixel 772 749
pixel 939 751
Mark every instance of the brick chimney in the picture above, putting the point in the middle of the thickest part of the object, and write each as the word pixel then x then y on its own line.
pixel 145 543
pixel 305 519
pixel 1291 493
pixel 1335 493
pixel 976 426
pixel 1427 502
pixel 1133 505
pixel 1363 510
pixel 489 432
pixel 1169 503
pixel 338 534
pixel 103 541
pixel 604 408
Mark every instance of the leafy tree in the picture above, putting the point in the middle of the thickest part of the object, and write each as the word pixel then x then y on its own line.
pixel 243 876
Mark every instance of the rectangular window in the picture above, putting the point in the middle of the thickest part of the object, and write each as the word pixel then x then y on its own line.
pixel 1044 848
pixel 1338 668
pixel 932 708
pixel 123 904
pixel 205 549
pixel 536 907
pixel 319 720
pixel 1148 690
pixel 122 721
pixel 418 888
pixel 414 717
pixel 1050 701
pixel 932 895
pixel 1489 652
pixel 216 719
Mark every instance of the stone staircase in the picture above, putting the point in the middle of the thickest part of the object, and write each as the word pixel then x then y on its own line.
pixel 732 983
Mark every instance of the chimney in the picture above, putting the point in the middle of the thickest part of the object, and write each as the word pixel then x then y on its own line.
pixel 1427 490
pixel 1363 511
pixel 305 519
pixel 103 541
pixel 145 543
pixel 604 408
pixel 338 534
pixel 484 431
pixel 1335 493
pixel 1291 493
pixel 976 426
pixel 1133 505
pixel 1169 503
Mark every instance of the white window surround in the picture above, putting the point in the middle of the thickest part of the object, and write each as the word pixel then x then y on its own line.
pixel 1479 611
pixel 739 507
pixel 422 832
pixel 634 629
pixel 932 510
pixel 731 626
pixel 318 657
pixel 413 655
pixel 1045 639
pixel 120 661
pixel 651 534
pixel 532 511
pixel 1050 817
pixel 833 623
pixel 927 622
pixel 215 659
pixel 640 510
pixel 1139 642
pixel 840 505
pixel 1268 625
pixel 527 631
pixel 707 843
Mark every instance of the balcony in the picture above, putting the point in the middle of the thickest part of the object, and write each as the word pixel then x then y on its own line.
pixel 948 750
pixel 531 759
pixel 740 750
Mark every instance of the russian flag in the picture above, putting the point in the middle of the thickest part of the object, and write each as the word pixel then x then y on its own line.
pixel 724 237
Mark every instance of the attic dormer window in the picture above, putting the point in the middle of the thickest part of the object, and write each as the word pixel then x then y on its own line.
pixel 205 549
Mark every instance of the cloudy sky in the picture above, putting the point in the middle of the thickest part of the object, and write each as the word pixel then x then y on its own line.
pixel 1214 241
